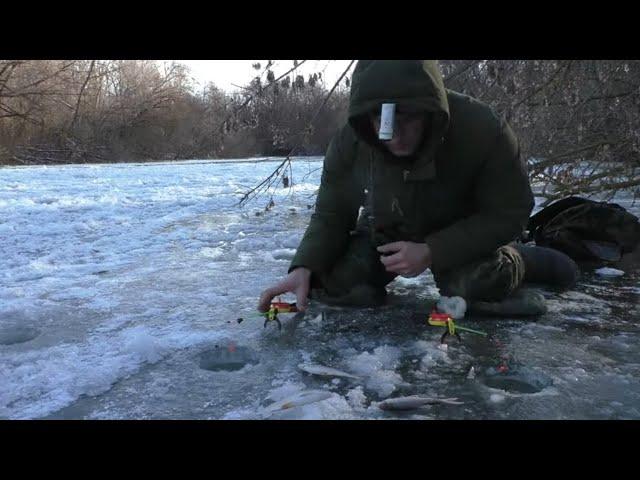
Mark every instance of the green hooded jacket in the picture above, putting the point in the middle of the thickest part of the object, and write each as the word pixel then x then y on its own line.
pixel 465 192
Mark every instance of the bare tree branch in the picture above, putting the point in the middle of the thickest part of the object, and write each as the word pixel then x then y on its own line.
pixel 270 180
pixel 84 85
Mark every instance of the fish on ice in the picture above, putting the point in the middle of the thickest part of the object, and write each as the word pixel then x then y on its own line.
pixel 299 399
pixel 415 401
pixel 321 370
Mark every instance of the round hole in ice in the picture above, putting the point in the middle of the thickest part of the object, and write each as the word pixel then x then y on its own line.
pixel 519 379
pixel 227 358
pixel 13 335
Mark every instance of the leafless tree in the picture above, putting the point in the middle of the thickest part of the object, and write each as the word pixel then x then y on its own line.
pixel 578 121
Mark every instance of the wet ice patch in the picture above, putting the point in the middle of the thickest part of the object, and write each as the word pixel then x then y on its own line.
pixel 571 303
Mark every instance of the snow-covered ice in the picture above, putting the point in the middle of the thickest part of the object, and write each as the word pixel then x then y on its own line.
pixel 116 279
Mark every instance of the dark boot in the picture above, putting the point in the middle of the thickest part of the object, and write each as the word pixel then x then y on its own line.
pixel 547 266
pixel 492 286
pixel 488 279
pixel 523 302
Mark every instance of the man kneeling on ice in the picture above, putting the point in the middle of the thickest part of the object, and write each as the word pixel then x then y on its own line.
pixel 420 178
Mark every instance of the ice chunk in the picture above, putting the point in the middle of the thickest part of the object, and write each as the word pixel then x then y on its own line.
pixel 143 345
pixel 496 398
pixel 356 398
pixel 609 272
pixel 454 306
pixel 376 368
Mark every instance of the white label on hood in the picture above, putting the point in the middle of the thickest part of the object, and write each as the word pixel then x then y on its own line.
pixel 387 116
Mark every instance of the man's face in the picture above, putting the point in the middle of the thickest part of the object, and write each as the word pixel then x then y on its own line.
pixel 408 131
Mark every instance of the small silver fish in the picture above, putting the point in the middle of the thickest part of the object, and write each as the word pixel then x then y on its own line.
pixel 415 401
pixel 321 370
pixel 299 399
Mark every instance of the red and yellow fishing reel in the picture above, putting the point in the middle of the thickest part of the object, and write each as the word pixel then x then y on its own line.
pixel 278 307
pixel 275 308
pixel 445 320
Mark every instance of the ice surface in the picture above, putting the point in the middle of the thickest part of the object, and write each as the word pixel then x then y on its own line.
pixel 114 279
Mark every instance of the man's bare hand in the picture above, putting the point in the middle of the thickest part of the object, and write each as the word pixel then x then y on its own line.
pixel 407 259
pixel 296 282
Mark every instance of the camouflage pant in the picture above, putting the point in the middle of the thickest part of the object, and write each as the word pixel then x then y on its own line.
pixel 488 279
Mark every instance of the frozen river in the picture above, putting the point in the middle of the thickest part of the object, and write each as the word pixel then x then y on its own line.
pixel 120 286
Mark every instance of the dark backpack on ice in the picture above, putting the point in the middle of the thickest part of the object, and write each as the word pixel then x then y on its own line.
pixel 585 229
